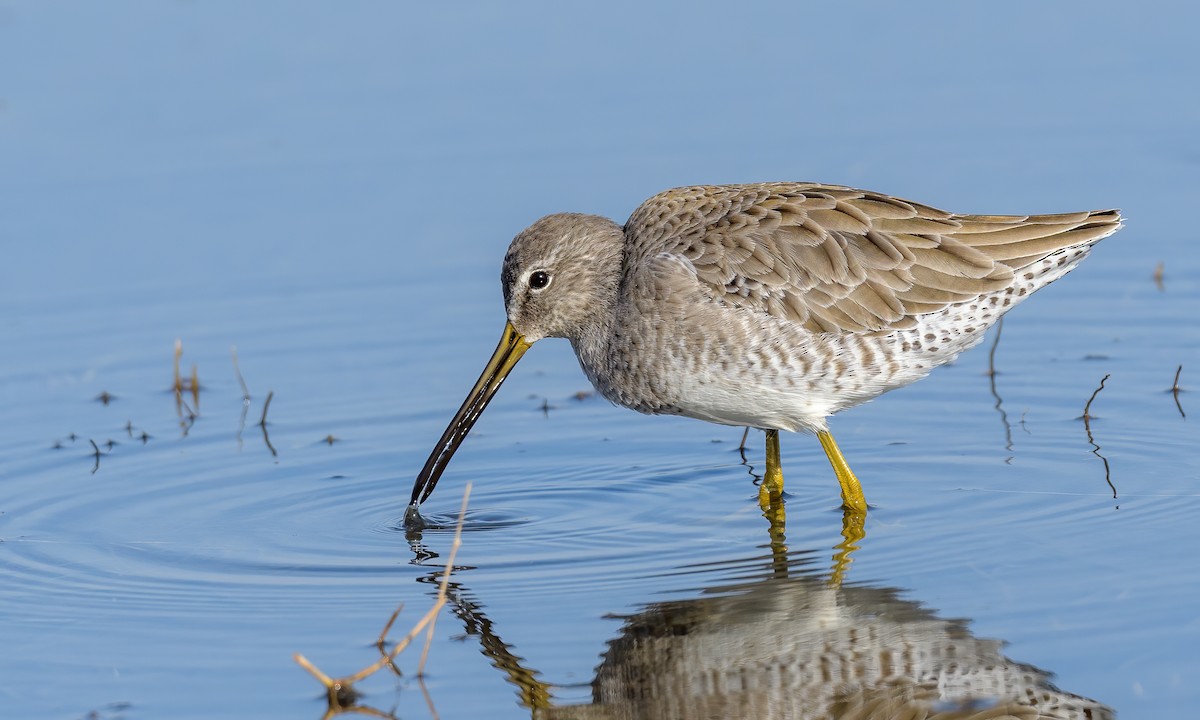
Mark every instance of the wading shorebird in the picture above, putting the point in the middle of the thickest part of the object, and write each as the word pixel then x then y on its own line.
pixel 772 305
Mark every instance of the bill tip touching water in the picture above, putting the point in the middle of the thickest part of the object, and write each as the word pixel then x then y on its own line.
pixel 771 305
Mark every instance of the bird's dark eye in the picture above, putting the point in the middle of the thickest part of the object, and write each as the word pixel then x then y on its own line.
pixel 539 279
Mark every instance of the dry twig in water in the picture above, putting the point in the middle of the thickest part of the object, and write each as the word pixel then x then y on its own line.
pixel 991 371
pixel 1087 426
pixel 238 371
pixel 96 453
pixel 262 423
pixel 1087 408
pixel 991 374
pixel 179 386
pixel 191 384
pixel 245 396
pixel 1175 391
pixel 340 691
pixel 266 406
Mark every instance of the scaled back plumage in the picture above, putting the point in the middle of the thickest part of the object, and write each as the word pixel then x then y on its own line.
pixel 835 259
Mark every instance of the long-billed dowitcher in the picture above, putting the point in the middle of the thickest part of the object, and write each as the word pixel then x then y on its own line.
pixel 772 305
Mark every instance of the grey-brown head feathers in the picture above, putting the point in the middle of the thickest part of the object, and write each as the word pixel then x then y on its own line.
pixel 560 272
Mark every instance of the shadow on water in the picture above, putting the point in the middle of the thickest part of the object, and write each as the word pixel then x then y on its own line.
pixel 777 636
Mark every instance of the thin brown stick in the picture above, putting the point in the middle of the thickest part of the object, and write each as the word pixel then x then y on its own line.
pixel 1087 415
pixel 428 699
pixel 991 371
pixel 999 406
pixel 388 625
pixel 96 448
pixel 373 668
pixel 1175 391
pixel 266 406
pixel 178 355
pixel 381 643
pixel 245 397
pixel 431 614
pixel 742 447
pixel 185 421
pixel 183 406
pixel 344 684
pixel 195 386
pixel 313 670
pixel 238 371
pixel 1087 426
pixel 462 513
pixel 267 440
pixel 262 423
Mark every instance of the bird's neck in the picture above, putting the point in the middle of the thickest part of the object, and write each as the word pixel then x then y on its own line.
pixel 592 339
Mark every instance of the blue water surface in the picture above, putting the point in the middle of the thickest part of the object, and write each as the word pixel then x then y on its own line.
pixel 331 188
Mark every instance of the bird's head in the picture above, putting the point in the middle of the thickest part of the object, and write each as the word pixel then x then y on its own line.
pixel 559 273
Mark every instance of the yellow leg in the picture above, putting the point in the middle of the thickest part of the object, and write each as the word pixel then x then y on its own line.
pixel 771 491
pixel 852 494
pixel 770 499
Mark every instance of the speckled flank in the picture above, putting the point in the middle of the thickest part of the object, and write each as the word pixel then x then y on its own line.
pixel 777 305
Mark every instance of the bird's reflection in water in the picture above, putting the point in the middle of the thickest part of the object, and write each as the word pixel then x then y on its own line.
pixel 803 648
pixel 773 638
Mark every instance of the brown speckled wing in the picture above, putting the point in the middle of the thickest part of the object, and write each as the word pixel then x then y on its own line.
pixel 836 259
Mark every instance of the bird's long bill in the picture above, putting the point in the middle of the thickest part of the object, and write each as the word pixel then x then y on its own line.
pixel 512 346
